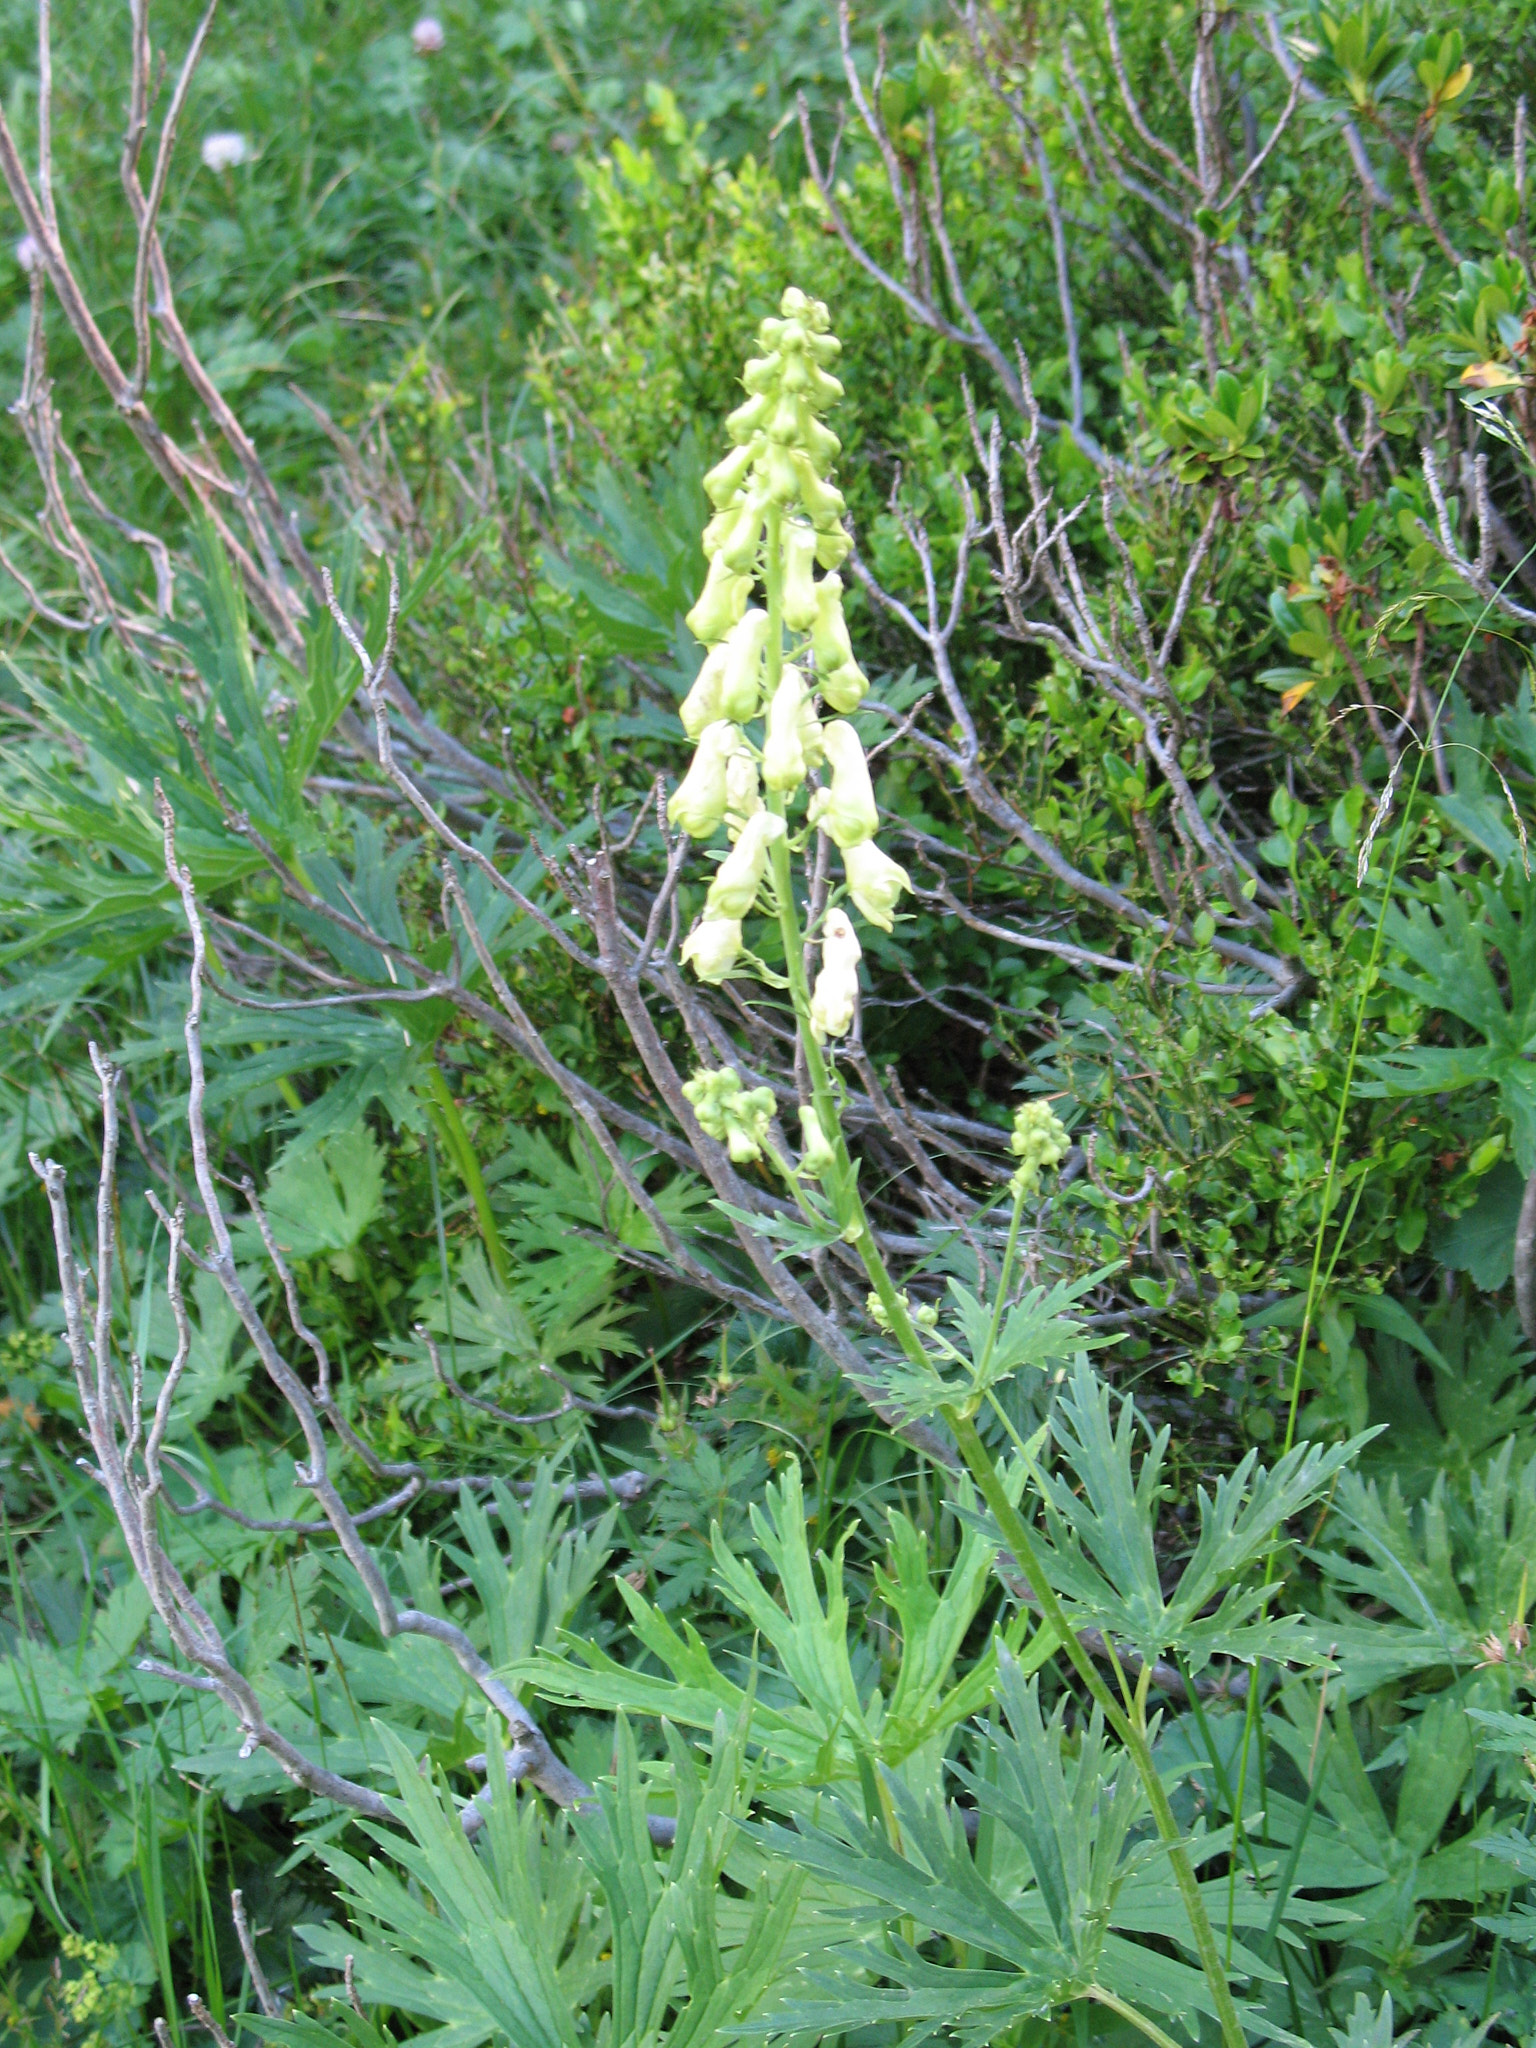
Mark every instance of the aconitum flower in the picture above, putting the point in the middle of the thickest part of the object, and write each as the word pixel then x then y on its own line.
pixel 721 602
pixel 784 761
pixel 846 812
pixel 875 881
pixel 817 1157
pixel 741 670
pixel 801 594
pixel 223 150
pixel 701 706
pixel 427 36
pixel 740 875
pixel 712 948
pixel 697 804
pixel 837 985
pixel 843 683
pixel 29 252
pixel 743 794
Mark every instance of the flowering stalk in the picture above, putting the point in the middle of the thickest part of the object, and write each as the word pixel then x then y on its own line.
pixel 755 716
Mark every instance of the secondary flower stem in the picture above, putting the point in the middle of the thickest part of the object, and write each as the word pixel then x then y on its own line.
pixel 1002 1286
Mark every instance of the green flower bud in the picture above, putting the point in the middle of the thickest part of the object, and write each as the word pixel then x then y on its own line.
pixel 1040 1139
pixel 817 1157
pixel 745 421
pixel 878 1314
pixel 819 442
pixel 721 602
pixel 845 688
pixel 762 373
pixel 713 948
pixel 801 594
pixel 780 472
pixel 837 985
pixel 697 805
pixel 806 379
pixel 727 477
pixel 740 875
pixel 741 670
pixel 848 815
pixel 875 881
pixel 783 755
pixel 733 1116
pixel 800 306
pixel 788 422
pixel 832 546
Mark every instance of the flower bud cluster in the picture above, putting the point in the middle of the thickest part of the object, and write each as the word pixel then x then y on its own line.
pixel 925 1315
pixel 1040 1139
pixel 777 521
pixel 733 1116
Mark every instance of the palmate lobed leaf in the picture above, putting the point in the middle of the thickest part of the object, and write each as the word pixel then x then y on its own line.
pixel 1067 1881
pixel 1448 949
pixel 816 1722
pixel 1100 1524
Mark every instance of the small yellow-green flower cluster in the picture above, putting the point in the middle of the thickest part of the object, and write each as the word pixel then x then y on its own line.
pixel 733 1116
pixel 925 1315
pixel 1040 1139
pixel 753 710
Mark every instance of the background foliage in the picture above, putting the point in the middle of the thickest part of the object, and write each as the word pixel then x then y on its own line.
pixel 484 312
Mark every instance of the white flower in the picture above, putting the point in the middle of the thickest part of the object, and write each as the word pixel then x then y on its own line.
pixel 842 682
pixel 837 985
pixel 224 149
pixel 846 812
pixel 28 252
pixel 829 629
pixel 728 476
pixel 816 1154
pixel 783 753
pixel 845 688
pixel 738 550
pixel 875 881
pixel 698 802
pixel 800 590
pixel 721 602
pixel 701 706
pixel 743 797
pixel 427 36
pixel 741 668
pixel 740 875
pixel 713 947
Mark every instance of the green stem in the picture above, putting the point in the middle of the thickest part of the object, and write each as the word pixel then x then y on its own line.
pixel 1012 1528
pixel 844 1192
pixel 1002 1287
pixel 445 1116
